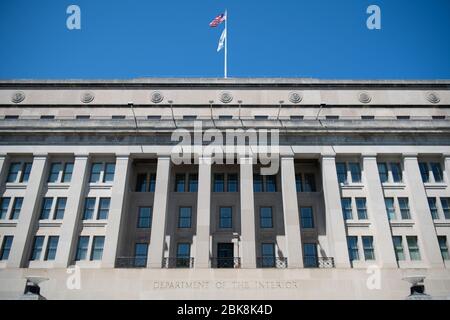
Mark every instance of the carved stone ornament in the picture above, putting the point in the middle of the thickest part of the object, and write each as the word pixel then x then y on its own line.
pixel 364 97
pixel 432 97
pixel 18 97
pixel 295 97
pixel 156 97
pixel 226 97
pixel 87 97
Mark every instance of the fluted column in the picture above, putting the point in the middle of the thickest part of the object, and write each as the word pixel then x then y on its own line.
pixel 248 252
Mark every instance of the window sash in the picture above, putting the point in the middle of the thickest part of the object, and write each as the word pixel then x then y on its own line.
pixel 445 202
pixel 369 252
pixel 46 208
pixel 193 182
pixel 355 171
pixel 180 182
pixel 37 247
pixel 60 208
pixel 184 219
pixel 4 207
pixel 413 248
pixel 424 173
pixel 26 172
pixel 396 172
pixel 225 217
pixel 433 208
pixel 110 169
pixel 17 207
pixel 361 208
pixel 97 247
pixel 6 247
pixel 232 183
pixel 68 170
pixel 266 217
pixel 310 183
pixel 13 172
pixel 346 204
pixel 353 251
pixel 96 170
pixel 404 208
pixel 103 208
pixel 437 171
pixel 383 172
pixel 89 208
pixel 271 184
pixel 141 182
pixel 299 183
pixel 307 217
pixel 52 246
pixel 257 183
pixel 390 209
pixel 82 248
pixel 443 247
pixel 398 247
pixel 341 169
pixel 144 217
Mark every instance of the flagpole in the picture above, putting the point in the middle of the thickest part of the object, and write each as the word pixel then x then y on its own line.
pixel 226 42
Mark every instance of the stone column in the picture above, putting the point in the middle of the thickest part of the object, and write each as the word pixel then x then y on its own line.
pixel 248 252
pixel 157 238
pixel 428 243
pixel 202 243
pixel 119 193
pixel 29 214
pixel 75 201
pixel 3 168
pixel 335 227
pixel 377 213
pixel 446 167
pixel 291 215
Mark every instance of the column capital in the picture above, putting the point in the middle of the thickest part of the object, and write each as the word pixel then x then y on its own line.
pixel 327 156
pixel 81 155
pixel 369 155
pixel 446 156
pixel 122 155
pixel 409 155
pixel 3 155
pixel 40 156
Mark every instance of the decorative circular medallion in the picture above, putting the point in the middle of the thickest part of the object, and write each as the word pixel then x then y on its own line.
pixel 226 97
pixel 87 97
pixel 18 97
pixel 432 97
pixel 295 97
pixel 364 97
pixel 157 97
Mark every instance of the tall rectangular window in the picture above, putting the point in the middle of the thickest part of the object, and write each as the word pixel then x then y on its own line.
pixel 13 172
pixel 424 173
pixel 271 184
pixel 17 206
pixel 140 254
pixel 369 253
pixel 37 248
pixel 398 247
pixel 82 248
pixel 444 247
pixel 96 170
pixel 4 206
pixel 141 182
pixel 152 182
pixel 225 217
pixel 433 208
pixel 257 183
pixel 89 208
pixel 346 204
pixel 6 247
pixel 180 182
pixel 361 208
pixel 437 172
pixel 55 168
pixel 310 183
pixel 60 208
pixel 310 255
pixel 68 170
pixel 355 171
pixel 299 183
pixel 268 255
pixel 219 182
pixel 183 255
pixel 26 172
pixel 445 202
pixel 265 217
pixel 352 242
pixel 46 208
pixel 145 217
pixel 184 218
pixel 232 182
pixel 341 169
pixel 193 182
pixel 110 169
pixel 383 171
pixel 396 172
pixel 306 217
pixel 52 246
pixel 413 247
pixel 390 209
pixel 97 247
pixel 404 208
pixel 103 208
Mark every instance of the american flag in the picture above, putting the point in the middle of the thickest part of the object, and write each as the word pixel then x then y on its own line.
pixel 217 20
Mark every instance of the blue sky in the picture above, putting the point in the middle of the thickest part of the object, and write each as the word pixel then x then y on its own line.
pixel 171 38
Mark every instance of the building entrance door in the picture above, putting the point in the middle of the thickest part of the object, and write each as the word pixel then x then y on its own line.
pixel 225 255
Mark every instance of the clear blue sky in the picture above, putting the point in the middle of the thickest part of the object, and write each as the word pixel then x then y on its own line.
pixel 285 38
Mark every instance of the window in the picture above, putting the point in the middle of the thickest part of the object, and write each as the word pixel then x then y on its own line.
pixel 97 247
pixel 193 182
pixel 68 170
pixel 413 247
pixel 47 117
pixel 390 209
pixel 346 204
pixel 189 117
pixel 117 117
pixel 183 255
pixel 398 246
pixel 145 217
pixel 310 255
pixel 46 208
pixel 396 172
pixel 306 217
pixel 141 182
pixel 37 248
pixel 179 182
pixel 219 183
pixel 17 206
pixel 437 172
pixel 140 254
pixel 14 169
pixel 361 208
pixel 403 117
pixel 82 117
pixel 153 117
pixel 367 117
pixel 353 253
pixel 433 208
pixel 152 182
pixel 268 255
pixel 60 208
pixel 299 182
pixel 103 208
pixel 232 182
pixel 257 183
pixel 296 118
pixel 26 172
pixel 110 168
pixel 438 117
pixel 355 171
pixel 4 206
pixel 52 245
pixel 89 207
pixel 271 185
pixel 55 168
pixel 369 253
pixel 6 247
pixel 383 171
pixel 225 217
pixel 96 169
pixel 444 247
pixel 446 207
pixel 332 117
pixel 424 171
pixel 310 183
pixel 184 219
pixel 265 215
pixel 11 117
pixel 82 248
pixel 225 117
pixel 261 117
pixel 404 208
pixel 341 169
